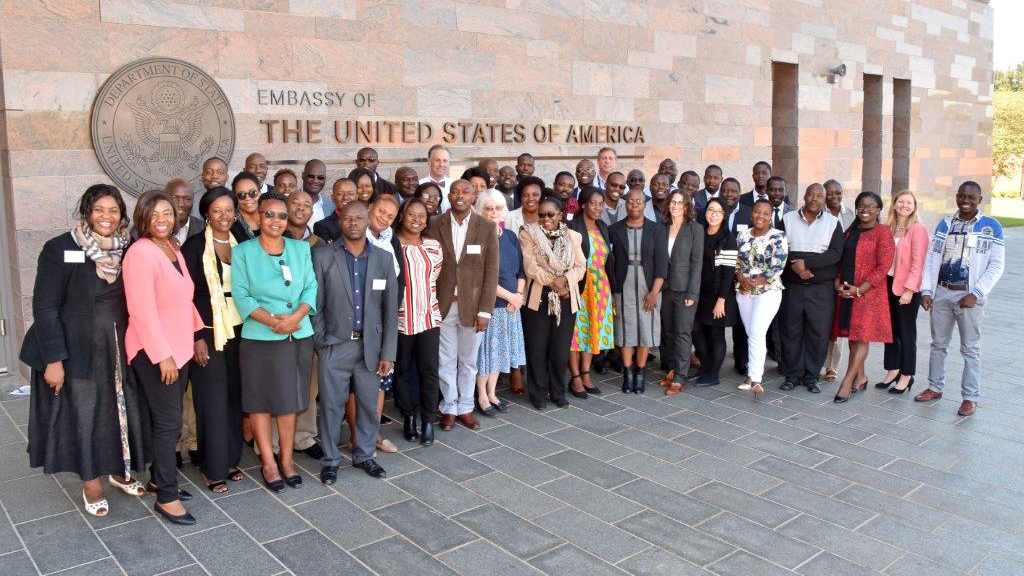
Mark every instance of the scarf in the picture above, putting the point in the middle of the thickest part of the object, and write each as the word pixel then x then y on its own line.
pixel 105 251
pixel 222 328
pixel 555 258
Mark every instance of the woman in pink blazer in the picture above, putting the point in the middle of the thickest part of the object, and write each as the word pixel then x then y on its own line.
pixel 162 321
pixel 911 239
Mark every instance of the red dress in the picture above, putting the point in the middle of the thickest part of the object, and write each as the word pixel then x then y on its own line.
pixel 869 316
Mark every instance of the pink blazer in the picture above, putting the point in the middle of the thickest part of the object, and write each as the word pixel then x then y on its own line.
pixel 910 254
pixel 162 320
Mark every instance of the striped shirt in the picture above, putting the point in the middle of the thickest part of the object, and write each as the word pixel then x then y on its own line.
pixel 418 310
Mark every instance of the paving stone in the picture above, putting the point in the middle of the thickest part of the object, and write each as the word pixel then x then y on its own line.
pixel 261 515
pixel 14 462
pixel 646 404
pixel 860 549
pixel 956 552
pixel 569 560
pixel 781 430
pixel 713 409
pixel 688 543
pixel 423 526
pixel 819 506
pixel 847 451
pixel 108 566
pixel 8 539
pixel 999 516
pixel 657 562
pixel 660 471
pixel 522 440
pixel 466 441
pixel 359 487
pixel 448 463
pixel 743 504
pixel 518 537
pixel 887 505
pixel 887 429
pixel 310 553
pixel 924 455
pixel 515 496
pixel 734 452
pixel 801 476
pixel 595 536
pixel 16 563
pixel 868 476
pixel 482 558
pixel 520 466
pixel 397 557
pixel 532 420
pixel 808 408
pixel 828 429
pixel 999 540
pixel 228 551
pixel 652 445
pixel 590 498
pixel 659 427
pixel 78 543
pixel 682 508
pixel 914 565
pixel 729 473
pixel 343 522
pixel 143 547
pixel 746 403
pixel 826 564
pixel 123 508
pixel 34 497
pixel 600 405
pixel 744 564
pixel 436 491
pixel 753 537
pixel 582 420
pixel 785 450
pixel 590 469
pixel 709 425
pixel 998 565
pixel 590 444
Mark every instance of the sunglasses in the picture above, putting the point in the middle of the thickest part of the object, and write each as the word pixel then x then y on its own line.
pixel 547 214
pixel 250 194
pixel 270 214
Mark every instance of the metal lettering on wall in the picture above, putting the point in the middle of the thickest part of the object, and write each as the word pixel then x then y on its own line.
pixel 157 119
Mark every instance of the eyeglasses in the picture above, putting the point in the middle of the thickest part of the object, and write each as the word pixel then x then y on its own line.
pixel 635 202
pixel 250 194
pixel 547 214
pixel 270 214
pixel 677 202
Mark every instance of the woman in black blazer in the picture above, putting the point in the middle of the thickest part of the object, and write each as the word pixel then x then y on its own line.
pixel 640 250
pixel 682 288
pixel 716 306
pixel 216 390
pixel 84 411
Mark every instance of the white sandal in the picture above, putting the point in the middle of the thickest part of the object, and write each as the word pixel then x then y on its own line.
pixel 93 508
pixel 133 488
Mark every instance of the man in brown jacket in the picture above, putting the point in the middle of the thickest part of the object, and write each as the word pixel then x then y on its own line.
pixel 465 293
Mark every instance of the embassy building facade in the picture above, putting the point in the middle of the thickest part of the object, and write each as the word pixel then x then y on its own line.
pixel 878 94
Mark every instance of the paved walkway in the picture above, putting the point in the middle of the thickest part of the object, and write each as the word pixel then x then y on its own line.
pixel 709 481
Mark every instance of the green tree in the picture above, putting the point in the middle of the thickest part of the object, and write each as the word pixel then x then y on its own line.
pixel 1011 80
pixel 1008 133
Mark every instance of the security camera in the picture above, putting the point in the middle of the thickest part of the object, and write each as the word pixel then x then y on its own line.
pixel 836 72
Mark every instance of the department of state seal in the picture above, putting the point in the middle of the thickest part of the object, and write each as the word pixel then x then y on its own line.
pixel 157 119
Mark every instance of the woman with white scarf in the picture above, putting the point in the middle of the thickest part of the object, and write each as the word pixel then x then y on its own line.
pixel 554 264
pixel 85 410
pixel 216 382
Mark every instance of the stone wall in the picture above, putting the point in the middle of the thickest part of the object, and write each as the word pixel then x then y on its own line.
pixel 695 74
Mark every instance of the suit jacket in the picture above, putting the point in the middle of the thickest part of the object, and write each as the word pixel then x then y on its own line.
pixel 328 229
pixel 580 226
pixel 192 250
pixel 333 322
pixel 910 255
pixel 195 226
pixel 476 275
pixel 700 201
pixel 653 253
pixel 684 262
pixel 382 186
pixel 62 311
pixel 747 199
pixel 742 218
pixel 786 209
pixel 162 318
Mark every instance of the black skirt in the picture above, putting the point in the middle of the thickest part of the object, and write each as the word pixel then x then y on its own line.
pixel 276 375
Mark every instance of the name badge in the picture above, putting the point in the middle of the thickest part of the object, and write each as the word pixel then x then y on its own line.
pixel 568 216
pixel 741 228
pixel 473 249
pixel 74 257
pixel 379 283
pixel 286 272
pixel 972 240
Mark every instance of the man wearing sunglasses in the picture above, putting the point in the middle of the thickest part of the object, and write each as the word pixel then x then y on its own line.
pixel 314 177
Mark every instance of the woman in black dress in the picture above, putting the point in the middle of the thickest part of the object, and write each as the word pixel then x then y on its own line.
pixel 84 412
pixel 216 390
pixel 716 306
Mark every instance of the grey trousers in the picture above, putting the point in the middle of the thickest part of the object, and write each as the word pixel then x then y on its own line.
pixel 946 314
pixel 459 349
pixel 339 363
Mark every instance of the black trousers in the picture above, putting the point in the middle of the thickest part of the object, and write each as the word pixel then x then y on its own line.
pixel 217 398
pixel 547 350
pixel 740 354
pixel 805 323
pixel 709 341
pixel 676 325
pixel 165 404
pixel 902 353
pixel 418 357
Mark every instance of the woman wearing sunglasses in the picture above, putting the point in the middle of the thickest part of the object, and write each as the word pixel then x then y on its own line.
pixel 274 289
pixel 246 187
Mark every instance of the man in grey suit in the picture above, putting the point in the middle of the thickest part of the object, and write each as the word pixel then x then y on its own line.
pixel 356 337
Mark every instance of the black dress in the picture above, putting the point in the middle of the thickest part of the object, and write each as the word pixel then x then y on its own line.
pixel 78 430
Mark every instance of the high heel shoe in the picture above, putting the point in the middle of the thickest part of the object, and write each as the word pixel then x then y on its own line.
pixel 883 385
pixel 858 386
pixel 582 394
pixel 639 379
pixel 627 379
pixel 409 431
pixel 427 434
pixel 895 390
pixel 863 385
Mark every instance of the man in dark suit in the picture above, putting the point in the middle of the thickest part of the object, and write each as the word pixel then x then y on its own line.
pixel 466 290
pixel 406 181
pixel 712 184
pixel 367 159
pixel 188 225
pixel 761 173
pixel 737 218
pixel 356 337
pixel 329 228
pixel 256 164
pixel 777 196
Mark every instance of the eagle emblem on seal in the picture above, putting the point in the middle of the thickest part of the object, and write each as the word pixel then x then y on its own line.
pixel 167 129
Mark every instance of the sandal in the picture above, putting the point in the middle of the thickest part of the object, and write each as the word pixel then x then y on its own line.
pixel 236 475
pixel 133 488
pixel 94 508
pixel 582 393
pixel 216 487
pixel 830 375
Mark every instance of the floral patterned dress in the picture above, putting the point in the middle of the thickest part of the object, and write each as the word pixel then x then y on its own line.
pixel 594 321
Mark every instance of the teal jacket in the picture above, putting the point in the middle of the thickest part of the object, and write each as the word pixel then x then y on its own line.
pixel 258 281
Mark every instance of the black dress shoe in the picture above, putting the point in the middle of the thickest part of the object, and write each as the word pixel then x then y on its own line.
pixel 490 412
pixel 183 495
pixel 185 519
pixel 639 379
pixel 705 381
pixel 427 434
pixel 582 394
pixel 813 388
pixel 315 451
pixel 372 468
pixel 537 404
pixel 502 407
pixel 194 457
pixel 562 403
pixel 177 460
pixel 329 475
pixel 627 379
pixel 788 385
pixel 409 431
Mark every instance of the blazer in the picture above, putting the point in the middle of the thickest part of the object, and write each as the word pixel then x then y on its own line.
pixel 684 262
pixel 747 199
pixel 653 253
pixel 258 281
pixel 328 229
pixel 195 226
pixel 910 253
pixel 62 310
pixel 333 323
pixel 475 275
pixel 742 218
pixel 162 320
pixel 193 250
pixel 579 225
pixel 537 278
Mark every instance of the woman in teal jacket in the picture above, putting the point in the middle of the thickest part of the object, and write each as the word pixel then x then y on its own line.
pixel 274 290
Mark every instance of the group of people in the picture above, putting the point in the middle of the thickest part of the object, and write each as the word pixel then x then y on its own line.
pixel 268 312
